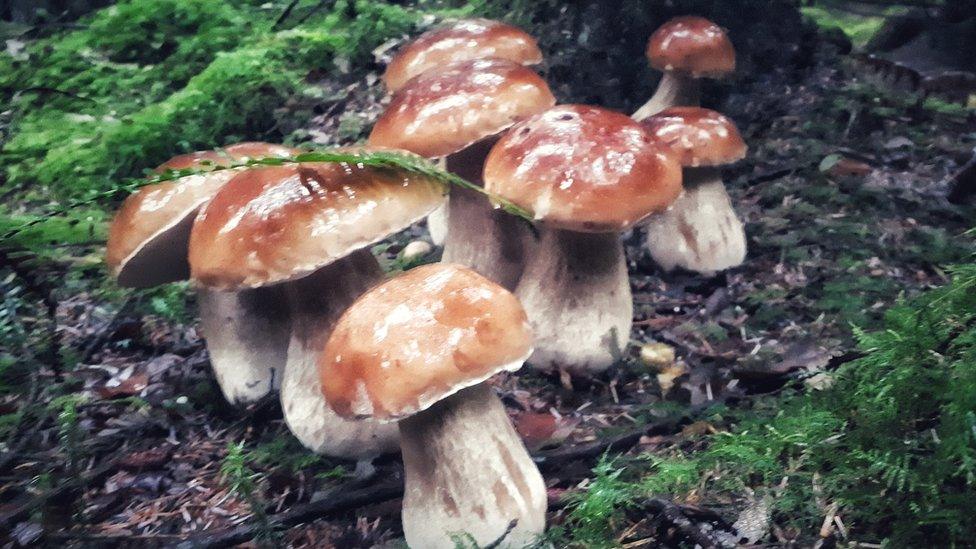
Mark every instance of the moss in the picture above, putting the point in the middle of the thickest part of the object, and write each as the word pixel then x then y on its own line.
pixel 892 441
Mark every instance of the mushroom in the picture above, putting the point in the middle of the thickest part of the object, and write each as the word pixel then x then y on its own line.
pixel 307 228
pixel 458 113
pixel 588 174
pixel 419 349
pixel 147 246
pixel 686 49
pixel 700 232
pixel 460 40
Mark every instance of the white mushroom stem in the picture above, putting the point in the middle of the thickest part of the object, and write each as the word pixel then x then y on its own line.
pixel 467 473
pixel 316 302
pixel 479 236
pixel 576 293
pixel 673 90
pixel 437 224
pixel 700 231
pixel 247 335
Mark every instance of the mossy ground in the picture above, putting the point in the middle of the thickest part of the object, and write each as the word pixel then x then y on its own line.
pixel 890 442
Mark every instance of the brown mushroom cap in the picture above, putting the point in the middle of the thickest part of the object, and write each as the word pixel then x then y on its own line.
pixel 440 113
pixel 419 338
pixel 279 223
pixel 461 41
pixel 583 169
pixel 697 136
pixel 691 45
pixel 147 241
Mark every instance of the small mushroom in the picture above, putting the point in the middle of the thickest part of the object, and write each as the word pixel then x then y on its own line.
pixel 458 113
pixel 307 228
pixel 461 40
pixel 147 246
pixel 700 231
pixel 686 49
pixel 587 174
pixel 419 349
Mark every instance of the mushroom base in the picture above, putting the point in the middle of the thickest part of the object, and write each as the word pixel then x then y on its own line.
pixel 316 302
pixel 576 293
pixel 468 473
pixel 673 90
pixel 700 231
pixel 247 336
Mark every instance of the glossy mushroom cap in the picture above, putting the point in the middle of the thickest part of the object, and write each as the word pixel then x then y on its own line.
pixel 698 137
pixel 461 41
pixel 147 241
pixel 440 113
pixel 583 169
pixel 692 45
pixel 419 338
pixel 279 223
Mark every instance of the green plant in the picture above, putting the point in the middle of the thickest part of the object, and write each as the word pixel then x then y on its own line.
pixel 243 482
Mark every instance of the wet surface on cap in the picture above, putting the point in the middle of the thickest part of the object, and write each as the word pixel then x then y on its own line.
pixel 440 113
pixel 154 209
pixel 273 224
pixel 698 137
pixel 420 337
pixel 693 45
pixel 583 168
pixel 461 41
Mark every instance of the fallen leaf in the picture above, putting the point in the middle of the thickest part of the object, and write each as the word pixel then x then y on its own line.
pixel 130 387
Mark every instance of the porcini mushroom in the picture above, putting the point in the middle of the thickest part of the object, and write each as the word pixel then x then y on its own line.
pixel 587 174
pixel 461 40
pixel 686 49
pixel 458 113
pixel 307 228
pixel 419 349
pixel 700 231
pixel 147 246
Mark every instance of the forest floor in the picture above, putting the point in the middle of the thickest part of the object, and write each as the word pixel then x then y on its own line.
pixel 843 197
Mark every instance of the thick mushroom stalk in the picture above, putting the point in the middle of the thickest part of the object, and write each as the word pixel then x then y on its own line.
pixel 480 236
pixel 316 302
pixel 467 472
pixel 419 349
pixel 701 231
pixel 247 335
pixel 148 246
pixel 675 88
pixel 587 174
pixel 576 293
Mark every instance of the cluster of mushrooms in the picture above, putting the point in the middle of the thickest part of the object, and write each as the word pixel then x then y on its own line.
pixel 292 300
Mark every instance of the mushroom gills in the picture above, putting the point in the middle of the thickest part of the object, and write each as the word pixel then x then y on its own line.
pixel 316 302
pixel 576 293
pixel 467 473
pixel 674 89
pixel 247 335
pixel 700 232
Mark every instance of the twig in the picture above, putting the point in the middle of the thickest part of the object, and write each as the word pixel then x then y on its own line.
pixel 284 15
pixel 676 517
